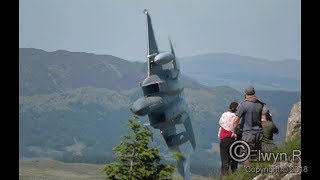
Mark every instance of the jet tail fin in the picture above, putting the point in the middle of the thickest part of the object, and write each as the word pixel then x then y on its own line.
pixel 174 61
pixel 152 44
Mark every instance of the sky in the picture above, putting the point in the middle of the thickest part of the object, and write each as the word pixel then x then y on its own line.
pixel 268 29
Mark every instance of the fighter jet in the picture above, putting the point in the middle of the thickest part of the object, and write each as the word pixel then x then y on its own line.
pixel 163 100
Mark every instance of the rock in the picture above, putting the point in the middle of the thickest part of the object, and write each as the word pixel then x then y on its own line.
pixel 292 176
pixel 265 177
pixel 270 177
pixel 260 177
pixel 280 165
pixel 294 121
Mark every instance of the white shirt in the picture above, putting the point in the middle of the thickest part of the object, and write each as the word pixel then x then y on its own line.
pixel 226 121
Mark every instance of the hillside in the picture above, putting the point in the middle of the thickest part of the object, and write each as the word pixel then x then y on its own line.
pixel 42 72
pixel 237 71
pixel 92 114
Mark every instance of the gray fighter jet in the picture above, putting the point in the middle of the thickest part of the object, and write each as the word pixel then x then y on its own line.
pixel 163 99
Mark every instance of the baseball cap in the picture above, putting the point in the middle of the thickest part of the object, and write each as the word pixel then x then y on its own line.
pixel 249 90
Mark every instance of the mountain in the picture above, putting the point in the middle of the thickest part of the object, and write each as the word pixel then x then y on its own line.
pixel 238 71
pixel 42 72
pixel 78 113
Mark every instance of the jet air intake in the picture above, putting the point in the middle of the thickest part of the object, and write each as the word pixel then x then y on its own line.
pixel 163 58
pixel 146 105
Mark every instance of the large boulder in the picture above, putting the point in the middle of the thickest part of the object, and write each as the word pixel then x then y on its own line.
pixel 294 122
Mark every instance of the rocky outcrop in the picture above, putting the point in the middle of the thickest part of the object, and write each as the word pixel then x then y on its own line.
pixel 264 177
pixel 292 176
pixel 275 171
pixel 294 122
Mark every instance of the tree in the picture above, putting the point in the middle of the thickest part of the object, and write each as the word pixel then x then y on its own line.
pixel 135 160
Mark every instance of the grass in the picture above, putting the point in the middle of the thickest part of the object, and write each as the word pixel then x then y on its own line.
pixel 250 171
pixel 48 169
pixel 288 147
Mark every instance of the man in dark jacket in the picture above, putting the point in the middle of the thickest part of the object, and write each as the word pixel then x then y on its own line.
pixel 250 110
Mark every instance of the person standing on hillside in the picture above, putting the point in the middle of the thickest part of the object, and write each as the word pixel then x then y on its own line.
pixel 250 111
pixel 227 137
pixel 269 128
